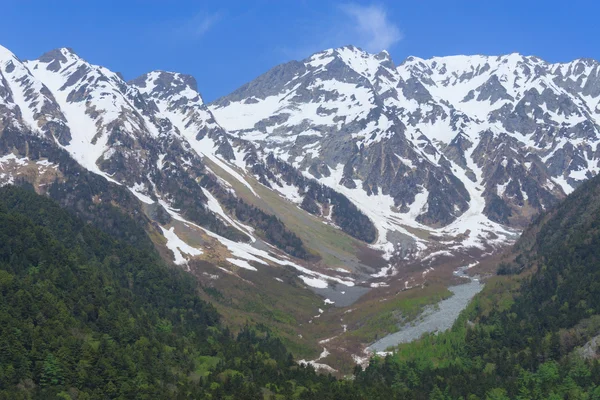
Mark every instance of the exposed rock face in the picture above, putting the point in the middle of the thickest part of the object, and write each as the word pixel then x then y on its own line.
pixel 445 139
pixel 436 155
pixel 62 115
pixel 120 135
pixel 176 98
pixel 27 100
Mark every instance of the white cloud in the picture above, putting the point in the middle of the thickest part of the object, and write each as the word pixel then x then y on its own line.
pixel 366 26
pixel 198 25
pixel 372 28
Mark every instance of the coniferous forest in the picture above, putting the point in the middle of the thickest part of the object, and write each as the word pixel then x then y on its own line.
pixel 84 315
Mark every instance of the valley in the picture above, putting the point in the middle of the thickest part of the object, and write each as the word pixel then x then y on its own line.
pixel 344 204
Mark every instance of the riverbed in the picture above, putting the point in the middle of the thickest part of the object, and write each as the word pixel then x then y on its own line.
pixel 435 318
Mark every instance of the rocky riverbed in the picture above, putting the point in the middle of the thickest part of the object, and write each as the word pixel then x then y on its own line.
pixel 436 318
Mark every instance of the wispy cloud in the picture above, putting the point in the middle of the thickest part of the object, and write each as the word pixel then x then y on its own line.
pixel 198 25
pixel 366 26
pixel 371 27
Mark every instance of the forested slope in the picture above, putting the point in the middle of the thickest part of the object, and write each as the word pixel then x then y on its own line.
pixel 83 315
pixel 522 336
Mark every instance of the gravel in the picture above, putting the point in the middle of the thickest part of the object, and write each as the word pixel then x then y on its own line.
pixel 434 319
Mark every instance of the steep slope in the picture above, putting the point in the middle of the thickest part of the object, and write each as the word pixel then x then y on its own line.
pixel 531 335
pixel 123 137
pixel 154 137
pixel 117 134
pixel 85 315
pixel 561 252
pixel 27 102
pixel 443 154
pixel 178 100
pixel 79 319
pixel 530 102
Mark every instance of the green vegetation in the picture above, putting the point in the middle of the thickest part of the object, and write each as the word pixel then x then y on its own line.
pixel 280 306
pixel 345 214
pixel 518 339
pixel 267 225
pixel 321 240
pixel 84 315
pixel 384 317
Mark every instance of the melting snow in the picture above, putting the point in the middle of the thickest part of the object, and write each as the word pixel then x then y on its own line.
pixel 314 282
pixel 241 263
pixel 178 246
pixel 318 365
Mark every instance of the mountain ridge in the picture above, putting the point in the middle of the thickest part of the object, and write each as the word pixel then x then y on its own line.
pixel 154 137
pixel 446 157
pixel 409 135
pixel 343 185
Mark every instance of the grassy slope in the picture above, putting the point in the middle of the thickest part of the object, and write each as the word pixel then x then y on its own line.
pixel 260 299
pixel 336 248
pixel 288 307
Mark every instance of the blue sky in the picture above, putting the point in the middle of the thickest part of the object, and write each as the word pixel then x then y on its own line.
pixel 227 43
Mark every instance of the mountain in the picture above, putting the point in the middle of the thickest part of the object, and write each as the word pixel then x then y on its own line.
pixel 442 154
pixel 326 186
pixel 343 174
pixel 85 315
pixel 64 119
pixel 532 333
pixel 88 316
pixel 431 159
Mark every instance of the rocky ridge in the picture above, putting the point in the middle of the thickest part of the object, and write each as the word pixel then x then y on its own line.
pixel 151 137
pixel 442 154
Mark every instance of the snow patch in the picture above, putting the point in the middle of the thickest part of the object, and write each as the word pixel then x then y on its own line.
pixel 241 263
pixel 179 247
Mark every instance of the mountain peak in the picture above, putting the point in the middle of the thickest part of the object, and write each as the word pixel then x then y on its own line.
pixel 516 58
pixel 347 51
pixel 60 54
pixel 383 55
pixel 57 57
pixel 364 63
pixel 6 54
pixel 166 84
pixel 350 47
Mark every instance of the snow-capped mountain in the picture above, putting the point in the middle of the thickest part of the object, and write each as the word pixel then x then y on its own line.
pixel 446 152
pixel 116 133
pixel 429 158
pixel 28 102
pixel 150 139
